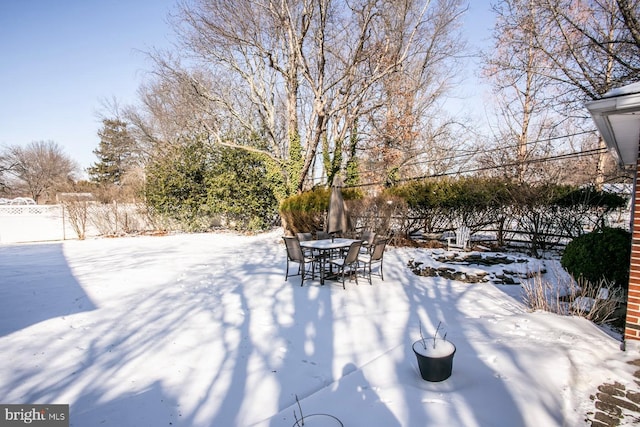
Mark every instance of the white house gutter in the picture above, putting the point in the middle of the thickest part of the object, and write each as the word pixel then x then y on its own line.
pixel 617 117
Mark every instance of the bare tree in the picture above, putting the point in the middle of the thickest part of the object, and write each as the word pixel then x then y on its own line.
pixel 5 167
pixel 523 93
pixel 550 56
pixel 40 169
pixel 593 44
pixel 294 79
pixel 629 12
pixel 407 130
pixel 593 47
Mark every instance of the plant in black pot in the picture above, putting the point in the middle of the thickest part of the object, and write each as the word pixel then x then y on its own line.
pixel 434 355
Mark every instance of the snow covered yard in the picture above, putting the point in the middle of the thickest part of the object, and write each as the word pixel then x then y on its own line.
pixel 203 330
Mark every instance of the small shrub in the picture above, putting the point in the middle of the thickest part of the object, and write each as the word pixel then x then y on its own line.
pixel 598 302
pixel 603 254
pixel 77 214
pixel 540 294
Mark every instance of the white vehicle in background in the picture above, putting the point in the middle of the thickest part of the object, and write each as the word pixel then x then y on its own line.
pixel 22 201
pixel 4 201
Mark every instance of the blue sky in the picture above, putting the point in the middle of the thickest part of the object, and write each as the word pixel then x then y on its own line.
pixel 60 59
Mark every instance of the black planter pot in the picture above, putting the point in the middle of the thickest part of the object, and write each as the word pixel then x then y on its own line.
pixel 434 369
pixel 319 420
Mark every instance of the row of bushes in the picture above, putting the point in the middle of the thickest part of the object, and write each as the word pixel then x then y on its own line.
pixel 544 214
pixel 475 202
pixel 197 184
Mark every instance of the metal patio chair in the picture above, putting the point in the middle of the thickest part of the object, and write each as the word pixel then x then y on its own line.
pixel 368 238
pixel 350 262
pixel 375 257
pixel 295 254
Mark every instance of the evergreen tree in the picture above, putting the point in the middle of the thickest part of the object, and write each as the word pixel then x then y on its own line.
pixel 115 153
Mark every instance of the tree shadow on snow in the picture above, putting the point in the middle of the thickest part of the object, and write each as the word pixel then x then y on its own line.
pixel 476 393
pixel 36 284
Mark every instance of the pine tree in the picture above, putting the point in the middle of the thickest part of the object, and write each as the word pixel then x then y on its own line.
pixel 115 153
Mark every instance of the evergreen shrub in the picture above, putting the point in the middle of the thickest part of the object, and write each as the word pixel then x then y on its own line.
pixel 306 212
pixel 198 184
pixel 602 254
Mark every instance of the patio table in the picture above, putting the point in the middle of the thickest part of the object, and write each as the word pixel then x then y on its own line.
pixel 324 247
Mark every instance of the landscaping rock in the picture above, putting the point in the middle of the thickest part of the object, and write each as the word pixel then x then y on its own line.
pixel 452 261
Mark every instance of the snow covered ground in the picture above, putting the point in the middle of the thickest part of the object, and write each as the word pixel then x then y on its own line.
pixel 203 330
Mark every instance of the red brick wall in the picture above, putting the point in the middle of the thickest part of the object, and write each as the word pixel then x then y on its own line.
pixel 632 327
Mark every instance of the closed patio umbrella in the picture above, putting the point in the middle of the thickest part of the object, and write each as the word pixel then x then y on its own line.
pixel 337 218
